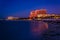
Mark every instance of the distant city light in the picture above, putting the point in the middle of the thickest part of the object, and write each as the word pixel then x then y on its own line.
pixel 37 14
pixel 42 13
pixel 12 18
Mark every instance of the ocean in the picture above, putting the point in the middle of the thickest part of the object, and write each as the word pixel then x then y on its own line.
pixel 29 30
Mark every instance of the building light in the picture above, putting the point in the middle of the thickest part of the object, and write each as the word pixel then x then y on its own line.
pixel 12 18
pixel 42 14
pixel 39 15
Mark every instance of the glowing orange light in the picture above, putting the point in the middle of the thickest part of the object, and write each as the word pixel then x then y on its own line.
pixel 10 18
pixel 37 13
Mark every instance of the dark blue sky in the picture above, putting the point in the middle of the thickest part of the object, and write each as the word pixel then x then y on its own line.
pixel 22 8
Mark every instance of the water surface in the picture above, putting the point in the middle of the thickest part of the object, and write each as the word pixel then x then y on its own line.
pixel 29 30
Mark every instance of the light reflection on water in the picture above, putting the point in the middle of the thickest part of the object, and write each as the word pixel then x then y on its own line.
pixel 38 28
pixel 31 30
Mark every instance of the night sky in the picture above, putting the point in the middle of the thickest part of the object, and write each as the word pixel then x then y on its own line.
pixel 22 8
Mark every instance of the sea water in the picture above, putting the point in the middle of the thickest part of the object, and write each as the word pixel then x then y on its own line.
pixel 29 30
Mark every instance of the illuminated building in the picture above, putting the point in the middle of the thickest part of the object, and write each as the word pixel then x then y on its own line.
pixel 12 18
pixel 39 14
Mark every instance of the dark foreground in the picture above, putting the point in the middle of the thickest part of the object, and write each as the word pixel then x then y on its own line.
pixel 29 30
